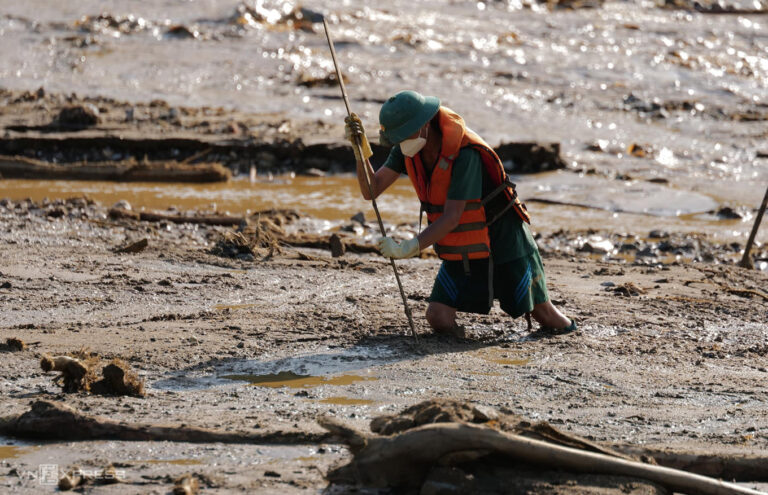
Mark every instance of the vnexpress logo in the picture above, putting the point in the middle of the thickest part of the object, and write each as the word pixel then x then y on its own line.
pixel 48 474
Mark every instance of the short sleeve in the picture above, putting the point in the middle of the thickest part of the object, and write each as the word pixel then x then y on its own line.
pixel 466 176
pixel 395 161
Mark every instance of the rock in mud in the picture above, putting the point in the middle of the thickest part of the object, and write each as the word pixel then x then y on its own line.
pixel 728 213
pixel 359 217
pixel 597 245
pixel 530 158
pixel 77 117
pixel 337 246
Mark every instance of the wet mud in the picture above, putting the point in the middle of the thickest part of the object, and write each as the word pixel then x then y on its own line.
pixel 647 120
pixel 231 343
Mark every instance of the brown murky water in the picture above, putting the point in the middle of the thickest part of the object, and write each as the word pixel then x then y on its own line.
pixel 602 206
pixel 292 380
pixel 686 88
pixel 12 451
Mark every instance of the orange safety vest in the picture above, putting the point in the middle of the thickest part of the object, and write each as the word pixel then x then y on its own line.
pixel 469 240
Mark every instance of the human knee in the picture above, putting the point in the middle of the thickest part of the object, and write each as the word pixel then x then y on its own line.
pixel 440 319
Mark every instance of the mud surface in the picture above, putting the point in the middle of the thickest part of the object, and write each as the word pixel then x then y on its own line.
pixel 676 358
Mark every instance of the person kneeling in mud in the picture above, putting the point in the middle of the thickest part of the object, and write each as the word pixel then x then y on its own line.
pixel 477 225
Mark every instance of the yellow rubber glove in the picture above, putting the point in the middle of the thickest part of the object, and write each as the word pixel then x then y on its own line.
pixel 390 248
pixel 354 132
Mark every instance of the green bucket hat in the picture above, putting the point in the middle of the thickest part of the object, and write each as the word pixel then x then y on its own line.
pixel 405 113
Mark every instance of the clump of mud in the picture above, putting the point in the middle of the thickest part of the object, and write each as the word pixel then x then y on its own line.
pixel 79 373
pixel 13 344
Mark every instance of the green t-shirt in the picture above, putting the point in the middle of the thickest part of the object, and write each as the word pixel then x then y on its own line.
pixel 510 236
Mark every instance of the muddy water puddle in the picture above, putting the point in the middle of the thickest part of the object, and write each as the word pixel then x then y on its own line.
pixel 13 451
pixel 292 380
pixel 326 367
pixel 503 357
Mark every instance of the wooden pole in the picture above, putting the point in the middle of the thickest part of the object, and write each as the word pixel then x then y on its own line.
pixel 746 260
pixel 368 183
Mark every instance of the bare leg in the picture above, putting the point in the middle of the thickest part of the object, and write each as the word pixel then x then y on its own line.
pixel 442 319
pixel 549 316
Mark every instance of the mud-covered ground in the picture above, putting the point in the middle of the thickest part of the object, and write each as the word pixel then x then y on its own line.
pixel 666 355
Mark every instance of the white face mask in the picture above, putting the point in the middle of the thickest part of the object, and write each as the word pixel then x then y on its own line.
pixel 410 147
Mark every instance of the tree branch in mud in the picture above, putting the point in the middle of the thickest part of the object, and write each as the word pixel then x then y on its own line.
pixel 403 459
pixel 50 420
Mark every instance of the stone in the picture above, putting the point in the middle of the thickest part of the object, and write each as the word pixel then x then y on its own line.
pixel 336 245
pixel 79 116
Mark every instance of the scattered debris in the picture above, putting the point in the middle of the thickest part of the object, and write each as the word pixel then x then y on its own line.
pixel 628 289
pixel 234 245
pixel 134 247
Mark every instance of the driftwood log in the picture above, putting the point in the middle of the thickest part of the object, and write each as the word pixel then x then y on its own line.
pixel 402 460
pixel 17 167
pixel 740 467
pixel 49 420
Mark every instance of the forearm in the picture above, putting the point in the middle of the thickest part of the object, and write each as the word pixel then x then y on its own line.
pixel 437 230
pixel 363 181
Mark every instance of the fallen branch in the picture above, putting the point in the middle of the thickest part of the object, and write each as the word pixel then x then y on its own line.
pixel 739 467
pixel 402 459
pixel 56 421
